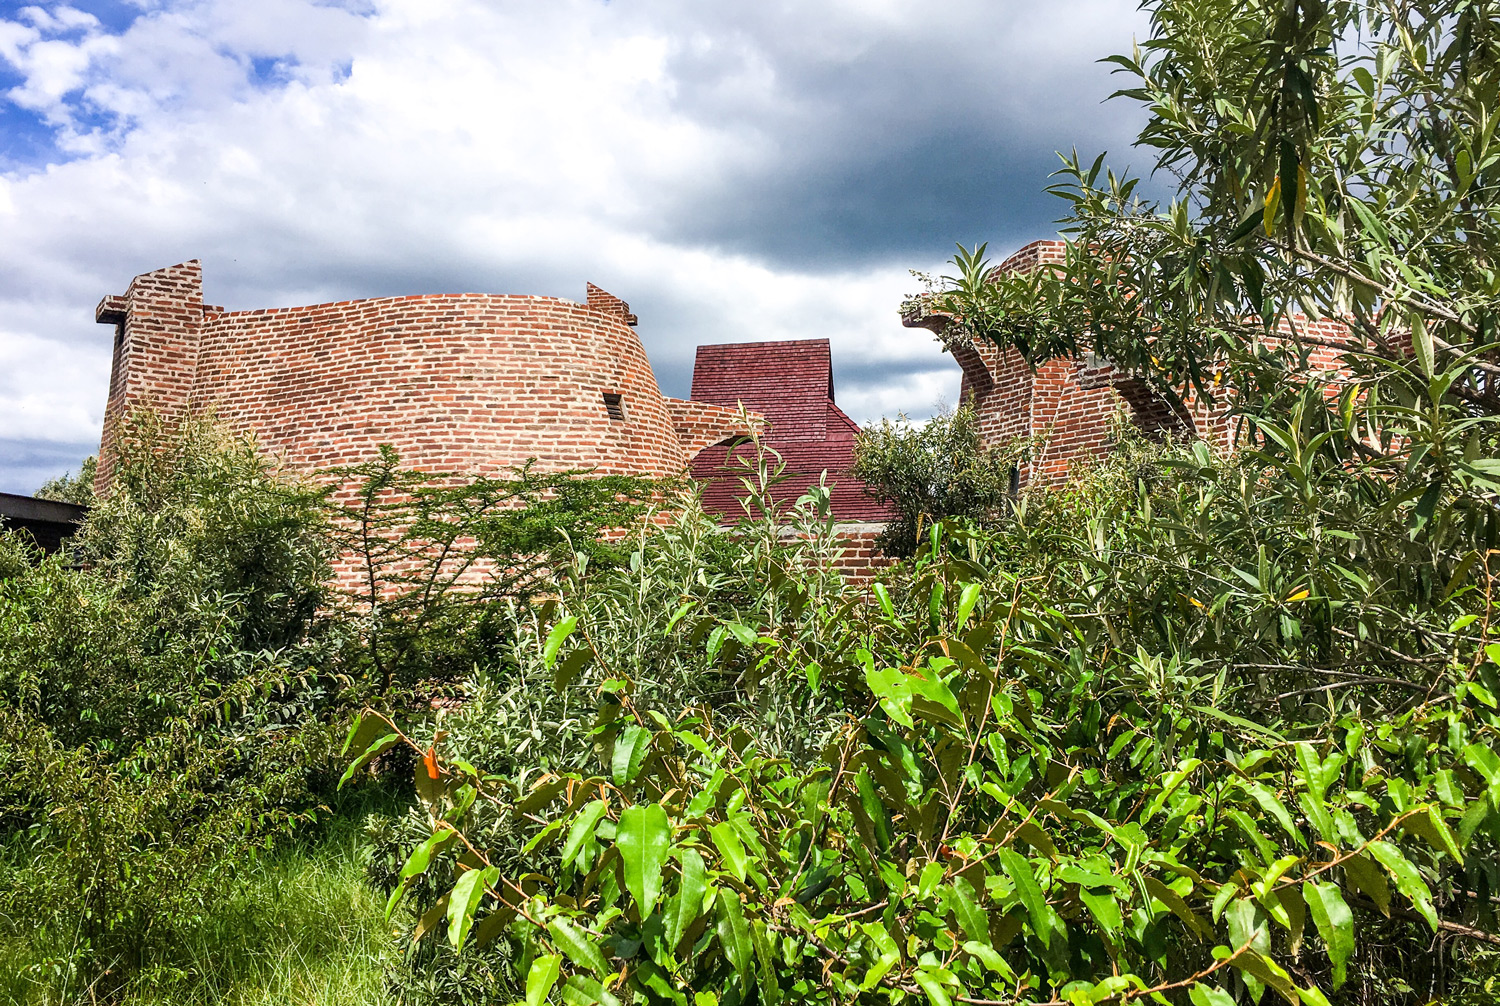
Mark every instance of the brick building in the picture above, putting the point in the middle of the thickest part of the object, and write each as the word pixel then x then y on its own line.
pixel 482 383
pixel 461 382
pixel 791 385
pixel 1066 404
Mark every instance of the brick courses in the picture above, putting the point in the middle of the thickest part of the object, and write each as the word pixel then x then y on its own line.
pixel 789 384
pixel 1067 405
pixel 460 382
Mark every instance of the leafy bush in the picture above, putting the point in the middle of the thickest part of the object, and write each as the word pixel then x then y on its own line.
pixel 1195 728
pixel 937 470
pixel 70 488
pixel 428 554
pixel 523 714
pixel 167 692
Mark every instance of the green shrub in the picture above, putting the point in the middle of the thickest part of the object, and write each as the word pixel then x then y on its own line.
pixel 433 552
pixel 70 488
pixel 1196 725
pixel 167 695
pixel 933 471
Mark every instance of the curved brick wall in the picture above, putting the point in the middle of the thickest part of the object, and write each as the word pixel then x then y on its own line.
pixel 464 382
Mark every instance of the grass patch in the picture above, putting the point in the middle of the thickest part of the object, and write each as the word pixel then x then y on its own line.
pixel 301 926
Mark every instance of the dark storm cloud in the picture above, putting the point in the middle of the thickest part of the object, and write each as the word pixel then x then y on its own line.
pixel 896 137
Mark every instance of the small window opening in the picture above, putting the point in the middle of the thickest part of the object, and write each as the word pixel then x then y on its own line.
pixel 615 406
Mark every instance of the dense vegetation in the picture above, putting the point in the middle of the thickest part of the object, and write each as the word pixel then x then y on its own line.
pixel 1200 727
pixel 1197 728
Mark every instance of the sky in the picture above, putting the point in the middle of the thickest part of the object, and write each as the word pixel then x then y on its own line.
pixel 736 171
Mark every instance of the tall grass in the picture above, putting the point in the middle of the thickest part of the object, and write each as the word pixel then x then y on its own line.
pixel 301 926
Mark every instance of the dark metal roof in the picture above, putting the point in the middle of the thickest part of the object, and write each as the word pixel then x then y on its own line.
pixel 48 521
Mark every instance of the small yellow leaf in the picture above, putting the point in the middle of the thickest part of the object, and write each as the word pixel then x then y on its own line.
pixel 1299 595
pixel 1273 203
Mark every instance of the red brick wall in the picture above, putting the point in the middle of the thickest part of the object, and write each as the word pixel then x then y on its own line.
pixel 464 382
pixel 861 561
pixel 1068 404
pixel 158 323
pixel 700 425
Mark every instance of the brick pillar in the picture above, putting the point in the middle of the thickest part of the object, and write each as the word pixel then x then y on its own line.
pixel 157 324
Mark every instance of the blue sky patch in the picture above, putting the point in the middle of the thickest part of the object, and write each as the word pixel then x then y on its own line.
pixel 114 15
pixel 25 140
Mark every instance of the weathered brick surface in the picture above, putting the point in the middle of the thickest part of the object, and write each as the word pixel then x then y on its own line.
pixel 463 382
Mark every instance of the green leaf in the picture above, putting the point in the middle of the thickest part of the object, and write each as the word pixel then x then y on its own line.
pixel 734 935
pixel 568 668
pixel 1179 907
pixel 576 944
pixel 935 994
pixel 1247 226
pixel 464 901
pixel 417 863
pixel 685 905
pixel 1272 805
pixel 743 633
pixel 365 729
pixel 890 954
pixel 1248 924
pixel 1257 970
pixel 583 827
pixel 581 990
pixel 874 808
pixel 966 602
pixel 893 690
pixel 1367 878
pixel 1335 921
pixel 1104 908
pixel 1018 869
pixel 1435 832
pixel 643 836
pixel 375 750
pixel 931 697
pixel 555 639
pixel 1484 761
pixel 731 850
pixel 1202 995
pixel 541 978
pixel 972 918
pixel 1421 344
pixel 1312 996
pixel 770 990
pixel 1408 881
pixel 629 754
pixel 991 959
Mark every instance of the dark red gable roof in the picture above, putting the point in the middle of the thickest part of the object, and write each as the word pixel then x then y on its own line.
pixel 791 384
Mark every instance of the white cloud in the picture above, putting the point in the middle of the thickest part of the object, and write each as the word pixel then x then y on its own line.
pixel 666 150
